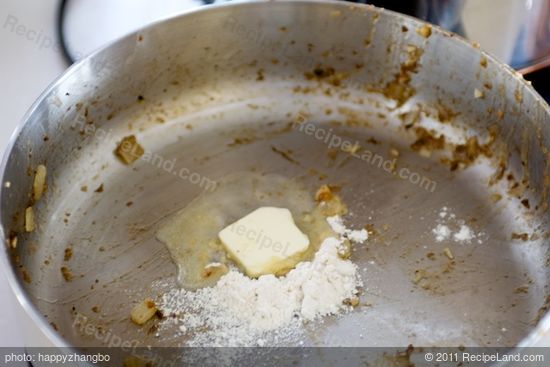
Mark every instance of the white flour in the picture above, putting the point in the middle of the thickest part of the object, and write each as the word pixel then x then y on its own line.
pixel 337 225
pixel 444 229
pixel 240 311
pixel 464 234
pixel 441 232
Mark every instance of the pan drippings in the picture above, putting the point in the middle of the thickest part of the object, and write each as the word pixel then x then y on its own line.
pixel 192 234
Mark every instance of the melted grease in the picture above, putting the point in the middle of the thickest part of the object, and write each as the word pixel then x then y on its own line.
pixel 191 235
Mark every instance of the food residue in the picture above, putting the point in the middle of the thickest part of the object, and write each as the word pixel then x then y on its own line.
pixel 68 253
pixel 143 311
pixel 129 150
pixel 39 184
pixel 66 273
pixel 29 220
pixel 425 30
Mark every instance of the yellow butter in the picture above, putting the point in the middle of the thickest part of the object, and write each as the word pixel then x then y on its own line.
pixel 266 241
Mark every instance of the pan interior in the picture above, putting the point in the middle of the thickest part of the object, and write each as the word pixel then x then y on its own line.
pixel 492 281
pixel 278 116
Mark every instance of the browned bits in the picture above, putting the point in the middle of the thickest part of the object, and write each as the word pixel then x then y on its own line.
pixel 520 236
pixel 66 273
pixel 329 203
pixel 371 230
pixel 68 253
pixel 483 62
pixel 399 89
pixel 352 301
pixel 100 189
pixel 426 141
pixel 326 74
pixel 260 75
pixel 240 141
pixel 495 198
pixel 522 289
pixel 143 311
pixel 332 153
pixel 518 96
pixel 324 193
pixel 214 270
pixel 285 154
pixel 542 310
pixel 26 276
pixel 129 150
pixel 425 31
pixel 466 154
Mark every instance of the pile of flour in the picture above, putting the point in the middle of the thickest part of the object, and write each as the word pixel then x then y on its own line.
pixel 443 231
pixel 240 311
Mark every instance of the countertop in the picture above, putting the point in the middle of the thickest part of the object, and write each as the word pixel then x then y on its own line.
pixel 29 62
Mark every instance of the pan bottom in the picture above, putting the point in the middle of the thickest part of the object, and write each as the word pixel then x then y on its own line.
pixel 446 263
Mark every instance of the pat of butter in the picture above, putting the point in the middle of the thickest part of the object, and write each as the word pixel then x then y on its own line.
pixel 265 241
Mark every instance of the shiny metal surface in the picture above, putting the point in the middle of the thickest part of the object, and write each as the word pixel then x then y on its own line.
pixel 516 31
pixel 190 86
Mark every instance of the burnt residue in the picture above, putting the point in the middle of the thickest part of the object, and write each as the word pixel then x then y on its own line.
pixel 260 75
pixel 285 154
pixel 66 273
pixel 326 74
pixel 465 154
pixel 445 113
pixel 542 310
pixel 68 254
pixel 399 88
pixel 461 155
pixel 427 140
pixel 520 236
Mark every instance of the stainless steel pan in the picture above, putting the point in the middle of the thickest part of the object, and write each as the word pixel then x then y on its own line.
pixel 189 87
